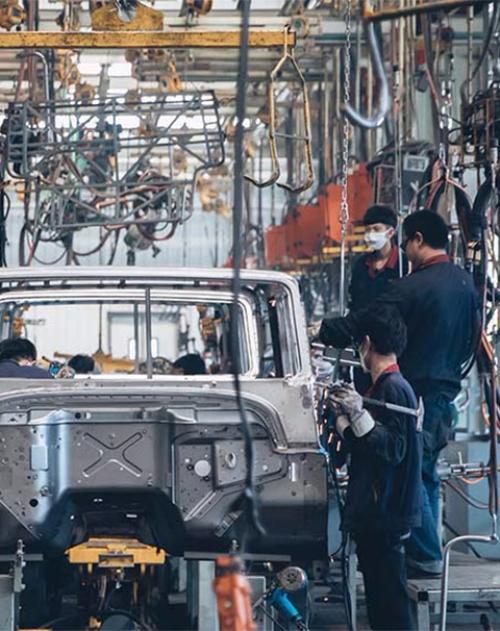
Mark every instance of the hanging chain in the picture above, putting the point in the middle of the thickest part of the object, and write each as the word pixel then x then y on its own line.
pixel 344 204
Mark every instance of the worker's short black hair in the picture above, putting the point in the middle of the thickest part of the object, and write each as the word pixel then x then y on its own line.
pixel 17 348
pixel 191 364
pixel 431 226
pixel 378 213
pixel 82 364
pixel 384 326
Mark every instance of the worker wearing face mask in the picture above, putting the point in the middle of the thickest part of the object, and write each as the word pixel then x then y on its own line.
pixel 384 492
pixel 439 306
pixel 373 271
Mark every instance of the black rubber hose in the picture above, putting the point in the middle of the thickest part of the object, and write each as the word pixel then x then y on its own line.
pixel 250 503
pixel 478 221
pixel 484 51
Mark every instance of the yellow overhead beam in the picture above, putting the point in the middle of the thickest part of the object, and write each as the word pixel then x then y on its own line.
pixel 178 38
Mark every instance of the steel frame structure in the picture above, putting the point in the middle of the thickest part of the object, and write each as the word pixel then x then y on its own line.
pixel 72 158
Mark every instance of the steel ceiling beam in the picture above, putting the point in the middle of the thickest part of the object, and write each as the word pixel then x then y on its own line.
pixel 185 38
pixel 431 6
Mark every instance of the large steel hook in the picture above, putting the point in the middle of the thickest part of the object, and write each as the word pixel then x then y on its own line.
pixel 384 105
pixel 287 57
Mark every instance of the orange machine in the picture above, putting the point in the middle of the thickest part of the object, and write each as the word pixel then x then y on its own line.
pixel 276 245
pixel 305 234
pixel 359 197
pixel 309 227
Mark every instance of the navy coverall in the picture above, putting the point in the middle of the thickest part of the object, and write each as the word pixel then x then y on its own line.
pixel 367 283
pixel 439 305
pixel 10 369
pixel 383 501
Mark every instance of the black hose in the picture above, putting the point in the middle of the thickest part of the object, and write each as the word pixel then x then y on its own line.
pixel 3 227
pixel 484 51
pixel 482 200
pixel 344 560
pixel 250 503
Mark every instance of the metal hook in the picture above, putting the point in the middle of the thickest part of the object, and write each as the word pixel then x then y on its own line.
pixel 273 134
pixel 43 58
pixel 357 118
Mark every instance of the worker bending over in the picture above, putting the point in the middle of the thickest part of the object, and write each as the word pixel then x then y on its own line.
pixel 384 493
pixel 17 359
pixel 439 305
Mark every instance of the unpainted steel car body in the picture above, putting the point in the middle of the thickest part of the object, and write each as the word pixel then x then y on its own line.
pixel 162 458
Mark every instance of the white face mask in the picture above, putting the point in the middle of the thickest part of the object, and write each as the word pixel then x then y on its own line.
pixel 376 240
pixel 364 367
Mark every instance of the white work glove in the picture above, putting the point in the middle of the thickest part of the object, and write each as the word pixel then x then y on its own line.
pixel 341 424
pixel 350 403
pixel 342 421
pixel 313 330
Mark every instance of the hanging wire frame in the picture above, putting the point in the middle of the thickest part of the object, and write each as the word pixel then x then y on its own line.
pixel 95 164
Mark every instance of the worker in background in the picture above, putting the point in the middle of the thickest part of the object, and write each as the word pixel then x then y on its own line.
pixel 190 364
pixel 82 364
pixel 384 492
pixel 439 305
pixel 373 271
pixel 17 359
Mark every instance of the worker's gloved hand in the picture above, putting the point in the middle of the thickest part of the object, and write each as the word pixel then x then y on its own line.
pixel 341 424
pixel 350 403
pixel 313 330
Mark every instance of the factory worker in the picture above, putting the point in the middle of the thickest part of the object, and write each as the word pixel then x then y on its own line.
pixel 373 270
pixel 190 364
pixel 439 305
pixel 82 364
pixel 17 359
pixel 384 493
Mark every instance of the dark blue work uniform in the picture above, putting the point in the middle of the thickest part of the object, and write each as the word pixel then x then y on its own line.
pixel 439 305
pixel 384 498
pixel 10 369
pixel 367 283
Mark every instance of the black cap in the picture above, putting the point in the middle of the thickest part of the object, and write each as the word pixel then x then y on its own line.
pixel 378 213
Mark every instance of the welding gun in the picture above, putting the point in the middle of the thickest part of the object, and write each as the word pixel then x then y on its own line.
pixel 392 407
